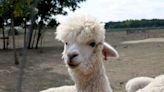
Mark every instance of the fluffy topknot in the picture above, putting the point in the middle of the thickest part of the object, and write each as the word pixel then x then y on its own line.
pixel 81 28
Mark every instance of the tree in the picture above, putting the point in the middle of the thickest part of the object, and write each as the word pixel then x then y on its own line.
pixel 136 23
pixel 15 10
pixel 3 32
pixel 49 8
pixel 19 11
pixel 52 23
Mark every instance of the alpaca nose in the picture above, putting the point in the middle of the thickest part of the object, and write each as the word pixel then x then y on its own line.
pixel 72 56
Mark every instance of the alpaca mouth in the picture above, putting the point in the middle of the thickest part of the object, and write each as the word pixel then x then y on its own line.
pixel 73 65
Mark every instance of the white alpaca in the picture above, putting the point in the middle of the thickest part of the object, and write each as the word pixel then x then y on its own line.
pixel 137 83
pixel 84 53
pixel 157 85
pixel 61 89
pixel 146 84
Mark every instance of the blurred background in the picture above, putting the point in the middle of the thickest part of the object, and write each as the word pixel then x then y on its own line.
pixel 30 57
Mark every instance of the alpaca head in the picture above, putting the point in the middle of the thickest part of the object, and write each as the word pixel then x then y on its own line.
pixel 84 46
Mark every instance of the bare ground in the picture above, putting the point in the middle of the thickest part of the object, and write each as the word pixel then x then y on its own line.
pixel 45 69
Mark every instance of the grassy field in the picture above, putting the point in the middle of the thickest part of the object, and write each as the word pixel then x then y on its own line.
pixel 46 69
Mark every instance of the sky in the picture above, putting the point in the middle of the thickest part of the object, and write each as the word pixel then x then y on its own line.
pixel 118 10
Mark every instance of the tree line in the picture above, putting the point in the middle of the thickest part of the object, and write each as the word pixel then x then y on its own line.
pixel 144 23
pixel 34 13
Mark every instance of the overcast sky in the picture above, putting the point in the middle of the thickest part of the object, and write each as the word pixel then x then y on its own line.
pixel 117 10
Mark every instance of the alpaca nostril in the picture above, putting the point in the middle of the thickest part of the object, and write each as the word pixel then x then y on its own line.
pixel 72 56
pixel 72 60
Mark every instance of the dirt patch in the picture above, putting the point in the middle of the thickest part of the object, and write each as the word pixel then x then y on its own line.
pixel 149 40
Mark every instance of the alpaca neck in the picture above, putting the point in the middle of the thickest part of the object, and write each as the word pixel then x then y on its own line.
pixel 96 81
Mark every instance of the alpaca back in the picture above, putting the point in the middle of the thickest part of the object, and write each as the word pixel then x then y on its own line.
pixel 157 85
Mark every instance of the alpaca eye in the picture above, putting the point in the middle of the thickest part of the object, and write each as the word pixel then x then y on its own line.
pixel 66 43
pixel 92 44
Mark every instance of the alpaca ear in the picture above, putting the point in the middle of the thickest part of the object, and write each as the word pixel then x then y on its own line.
pixel 109 51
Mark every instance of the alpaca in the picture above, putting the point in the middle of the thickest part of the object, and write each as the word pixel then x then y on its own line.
pixel 84 53
pixel 157 85
pixel 137 83
pixel 146 84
